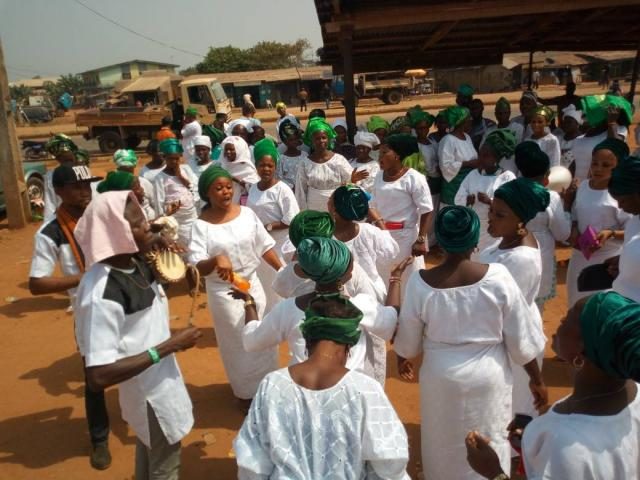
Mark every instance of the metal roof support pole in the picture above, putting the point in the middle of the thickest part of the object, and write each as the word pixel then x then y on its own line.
pixel 634 75
pixel 530 79
pixel 346 44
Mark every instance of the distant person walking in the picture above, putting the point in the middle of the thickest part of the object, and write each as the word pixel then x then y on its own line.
pixel 303 95
pixel 535 78
pixel 246 100
pixel 326 95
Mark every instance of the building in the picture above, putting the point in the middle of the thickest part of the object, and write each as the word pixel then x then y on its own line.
pixel 484 78
pixel 35 83
pixel 107 76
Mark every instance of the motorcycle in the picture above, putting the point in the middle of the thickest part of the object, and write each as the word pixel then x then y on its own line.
pixel 34 150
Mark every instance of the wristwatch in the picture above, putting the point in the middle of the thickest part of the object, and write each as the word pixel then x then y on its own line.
pixel 269 227
pixel 420 239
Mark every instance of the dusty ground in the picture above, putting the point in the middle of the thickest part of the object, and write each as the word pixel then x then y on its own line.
pixel 43 432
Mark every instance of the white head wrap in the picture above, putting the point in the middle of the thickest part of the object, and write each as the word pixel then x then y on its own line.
pixel 202 140
pixel 572 112
pixel 340 122
pixel 367 139
pixel 245 122
pixel 242 167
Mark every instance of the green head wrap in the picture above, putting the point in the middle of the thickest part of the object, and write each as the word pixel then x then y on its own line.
pixel 457 229
pixel 376 123
pixel 465 90
pixel 215 134
pixel 310 223
pixel 595 109
pixel 502 142
pixel 263 148
pixel 531 160
pixel 398 123
pixel 404 144
pixel 456 115
pixel 323 260
pixel 317 124
pixel 610 327
pixel 60 143
pixel 525 197
pixel 208 177
pixel 318 325
pixel 545 112
pixel 616 146
pixel 125 158
pixel 193 111
pixel 625 178
pixel 503 102
pixel 351 202
pixel 170 146
pixel 116 181
pixel 417 115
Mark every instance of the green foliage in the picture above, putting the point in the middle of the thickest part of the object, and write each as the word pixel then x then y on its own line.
pixel 262 56
pixel 19 93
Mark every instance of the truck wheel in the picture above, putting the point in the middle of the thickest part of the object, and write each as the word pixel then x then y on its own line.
pixel 35 192
pixel 110 142
pixel 133 141
pixel 393 97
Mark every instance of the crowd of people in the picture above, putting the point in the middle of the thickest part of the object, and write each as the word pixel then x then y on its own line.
pixel 319 239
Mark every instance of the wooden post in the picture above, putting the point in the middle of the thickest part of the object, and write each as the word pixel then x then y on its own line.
pixel 634 76
pixel 15 190
pixel 346 37
pixel 530 79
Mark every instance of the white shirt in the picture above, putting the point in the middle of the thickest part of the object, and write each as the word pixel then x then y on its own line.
pixel 150 173
pixel 597 208
pixel 550 145
pixel 51 199
pixel 116 319
pixel 287 168
pixel 626 283
pixel 430 155
pixel 149 203
pixel 348 431
pixel 566 151
pixel 585 447
pixel 282 323
pixel 189 133
pixel 169 189
pixel 452 152
pixel 583 150
pixel 275 204
pixel 373 167
pixel 196 168
pixel 403 200
pixel 321 176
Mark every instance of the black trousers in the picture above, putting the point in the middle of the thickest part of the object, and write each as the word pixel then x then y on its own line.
pixel 97 416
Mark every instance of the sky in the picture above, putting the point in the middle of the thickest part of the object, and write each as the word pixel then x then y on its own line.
pixel 53 37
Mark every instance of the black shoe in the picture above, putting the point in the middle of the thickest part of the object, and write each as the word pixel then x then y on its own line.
pixel 100 456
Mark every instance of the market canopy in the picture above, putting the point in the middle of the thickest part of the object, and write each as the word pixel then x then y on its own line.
pixel 390 35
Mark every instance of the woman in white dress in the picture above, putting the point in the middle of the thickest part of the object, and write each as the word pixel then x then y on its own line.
pixel 290 153
pixel 329 264
pixel 571 123
pixel 318 419
pixel 456 154
pixel 467 319
pixel 593 433
pixel 515 204
pixel 594 207
pixel 476 190
pixel 175 189
pixel 237 160
pixel 230 241
pixel 540 134
pixel 275 205
pixel 551 226
pixel 323 171
pixel 365 143
pixel 402 198
pixel 201 159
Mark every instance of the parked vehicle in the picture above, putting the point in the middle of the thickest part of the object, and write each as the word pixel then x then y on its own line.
pixel 126 126
pixel 34 150
pixel 390 87
pixel 34 173
pixel 36 114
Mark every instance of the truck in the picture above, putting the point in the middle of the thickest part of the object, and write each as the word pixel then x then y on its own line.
pixel 390 87
pixel 147 100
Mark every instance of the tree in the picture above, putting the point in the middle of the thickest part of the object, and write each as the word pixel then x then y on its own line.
pixel 19 93
pixel 262 56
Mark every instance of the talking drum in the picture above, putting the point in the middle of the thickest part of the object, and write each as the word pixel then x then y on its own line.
pixel 168 266
pixel 559 178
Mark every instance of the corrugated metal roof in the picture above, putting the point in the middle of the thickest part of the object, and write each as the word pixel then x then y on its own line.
pixel 318 72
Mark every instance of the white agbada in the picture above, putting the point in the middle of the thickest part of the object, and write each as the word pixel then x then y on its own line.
pixel 242 168
pixel 169 190
pixel 189 132
pixel 372 247
pixel 467 335
pixel 554 224
pixel 588 447
pixel 403 200
pixel 287 168
pixel 550 145
pixel 473 184
pixel 583 150
pixel 283 324
pixel 114 320
pixel 600 210
pixel 275 204
pixel 525 266
pixel 315 182
pixel 626 283
pixel 348 431
pixel 244 240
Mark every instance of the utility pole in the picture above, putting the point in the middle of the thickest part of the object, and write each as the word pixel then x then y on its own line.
pixel 15 190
